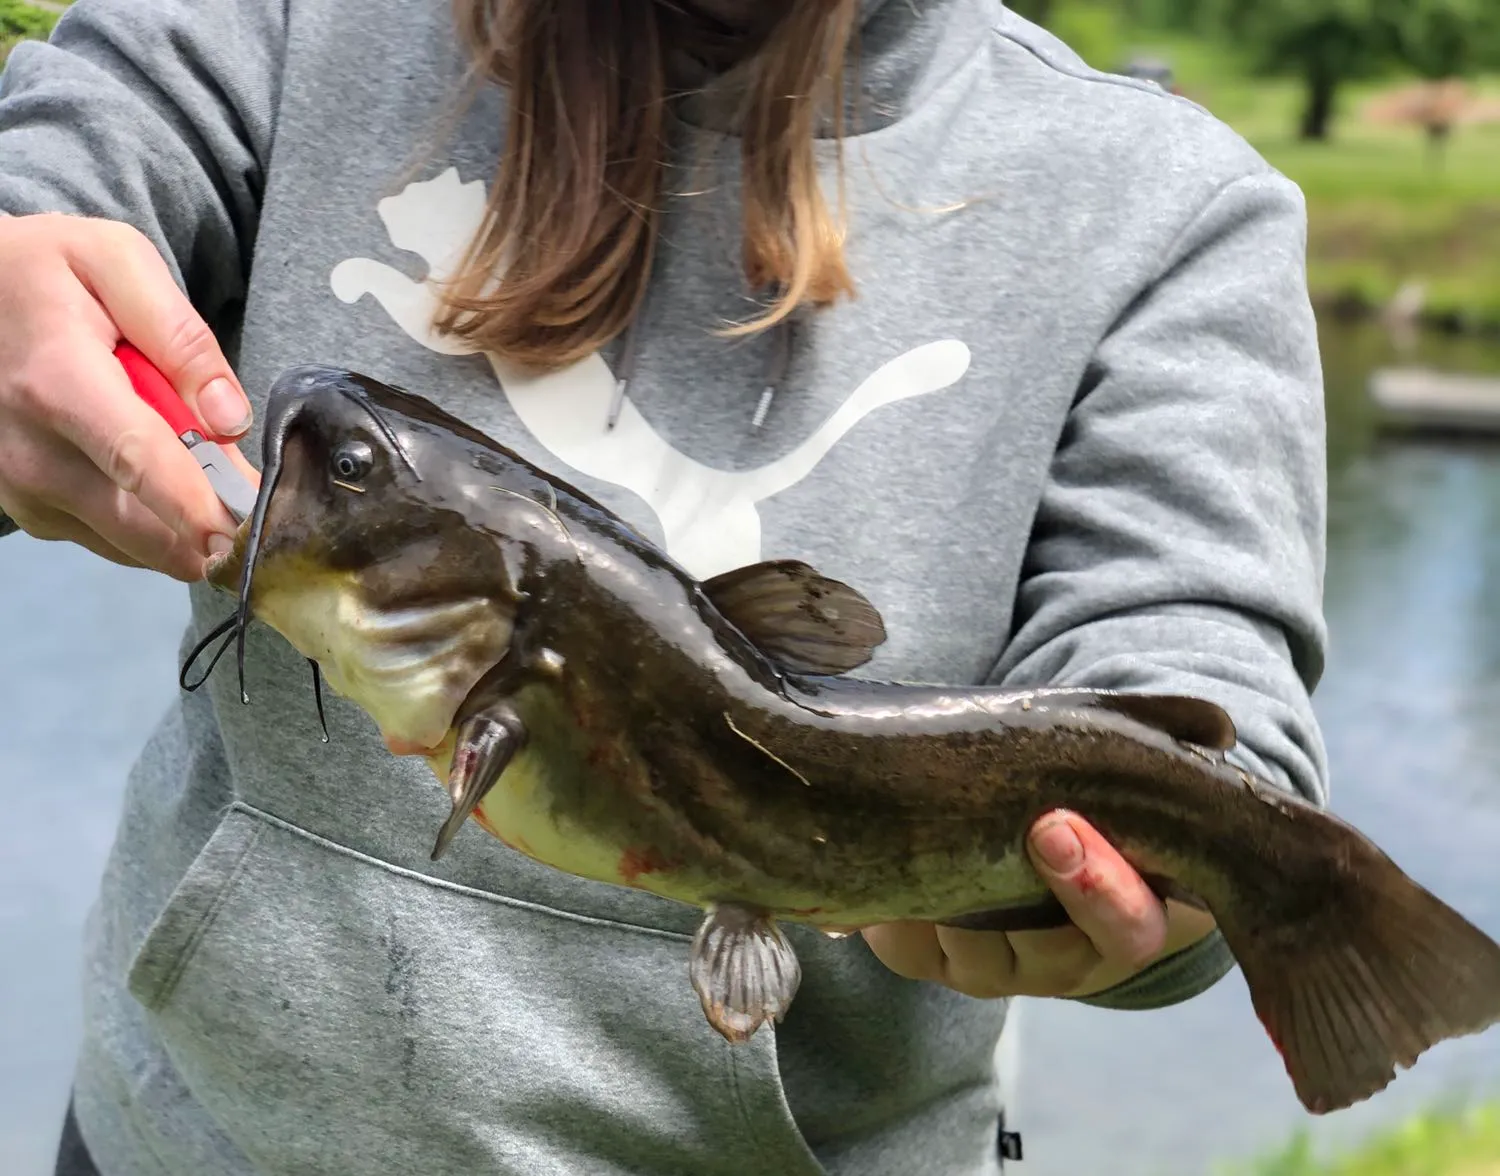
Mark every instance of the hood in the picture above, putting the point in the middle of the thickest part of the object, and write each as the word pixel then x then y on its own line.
pixel 894 63
pixel 903 50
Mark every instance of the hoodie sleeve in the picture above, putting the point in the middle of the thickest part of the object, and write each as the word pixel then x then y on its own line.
pixel 1179 545
pixel 159 115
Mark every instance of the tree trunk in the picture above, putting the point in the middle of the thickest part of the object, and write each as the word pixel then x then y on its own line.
pixel 1437 141
pixel 1317 116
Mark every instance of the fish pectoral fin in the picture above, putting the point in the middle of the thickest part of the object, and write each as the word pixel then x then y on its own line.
pixel 744 971
pixel 797 617
pixel 487 741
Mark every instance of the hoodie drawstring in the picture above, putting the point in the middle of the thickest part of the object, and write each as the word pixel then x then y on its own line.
pixel 779 363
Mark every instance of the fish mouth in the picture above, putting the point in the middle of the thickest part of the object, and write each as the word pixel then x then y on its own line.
pixel 404 653
pixel 235 570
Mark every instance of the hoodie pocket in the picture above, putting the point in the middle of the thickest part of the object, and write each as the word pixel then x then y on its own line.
pixel 334 1013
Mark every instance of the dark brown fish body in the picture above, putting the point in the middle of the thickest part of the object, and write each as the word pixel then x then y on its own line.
pixel 601 711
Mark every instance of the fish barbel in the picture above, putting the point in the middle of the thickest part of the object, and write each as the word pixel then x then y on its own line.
pixel 586 701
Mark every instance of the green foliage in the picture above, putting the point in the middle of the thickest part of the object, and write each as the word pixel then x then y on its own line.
pixel 1346 38
pixel 1445 38
pixel 18 20
pixel 1440 1143
pixel 1324 42
pixel 1328 43
pixel 1093 29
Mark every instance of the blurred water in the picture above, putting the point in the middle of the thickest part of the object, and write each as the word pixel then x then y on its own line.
pixel 87 664
pixel 1409 706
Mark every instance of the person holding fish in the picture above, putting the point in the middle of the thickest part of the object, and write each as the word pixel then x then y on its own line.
pixel 688 300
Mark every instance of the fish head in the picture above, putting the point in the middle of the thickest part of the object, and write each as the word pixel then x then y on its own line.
pixel 386 546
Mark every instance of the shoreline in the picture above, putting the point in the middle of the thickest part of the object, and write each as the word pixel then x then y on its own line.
pixel 1351 305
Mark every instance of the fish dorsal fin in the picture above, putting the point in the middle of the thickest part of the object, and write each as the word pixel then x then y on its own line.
pixel 800 619
pixel 1184 718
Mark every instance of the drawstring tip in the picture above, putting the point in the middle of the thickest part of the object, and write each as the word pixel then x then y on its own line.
pixel 616 404
pixel 763 407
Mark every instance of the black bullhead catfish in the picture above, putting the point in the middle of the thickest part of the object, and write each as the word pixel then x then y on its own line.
pixel 590 704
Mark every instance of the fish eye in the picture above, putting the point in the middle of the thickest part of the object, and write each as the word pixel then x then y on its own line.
pixel 351 461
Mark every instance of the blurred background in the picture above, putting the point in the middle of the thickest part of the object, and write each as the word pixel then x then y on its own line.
pixel 1387 113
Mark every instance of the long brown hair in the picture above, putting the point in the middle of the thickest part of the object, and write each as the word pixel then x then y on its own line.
pixel 574 211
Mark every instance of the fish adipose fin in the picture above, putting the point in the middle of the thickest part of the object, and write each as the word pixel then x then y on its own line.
pixel 744 971
pixel 487 741
pixel 803 621
pixel 1184 718
pixel 1367 984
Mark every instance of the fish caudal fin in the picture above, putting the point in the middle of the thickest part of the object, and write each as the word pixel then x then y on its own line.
pixel 1369 986
pixel 744 971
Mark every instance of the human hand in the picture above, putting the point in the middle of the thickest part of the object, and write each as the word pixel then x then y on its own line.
pixel 1119 927
pixel 82 458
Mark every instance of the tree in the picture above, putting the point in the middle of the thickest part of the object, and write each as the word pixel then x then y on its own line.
pixel 1325 42
pixel 1445 38
pixel 1330 42
pixel 1443 41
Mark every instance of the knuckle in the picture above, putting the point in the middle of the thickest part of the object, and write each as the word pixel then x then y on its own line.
pixel 22 233
pixel 119 235
pixel 28 392
pixel 192 341
pixel 28 479
pixel 125 460
pixel 38 523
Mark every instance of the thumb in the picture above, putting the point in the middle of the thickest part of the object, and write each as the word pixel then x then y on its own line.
pixel 133 284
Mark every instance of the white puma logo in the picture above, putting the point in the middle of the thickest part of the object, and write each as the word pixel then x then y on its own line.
pixel 708 516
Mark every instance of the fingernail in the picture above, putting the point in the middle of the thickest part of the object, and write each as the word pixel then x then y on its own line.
pixel 224 409
pixel 1057 845
pixel 219 544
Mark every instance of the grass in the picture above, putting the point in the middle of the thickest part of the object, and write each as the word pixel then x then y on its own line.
pixel 1382 209
pixel 1439 1143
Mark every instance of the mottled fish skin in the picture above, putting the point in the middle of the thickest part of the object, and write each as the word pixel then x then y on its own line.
pixel 598 709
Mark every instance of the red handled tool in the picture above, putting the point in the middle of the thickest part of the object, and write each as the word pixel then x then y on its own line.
pixel 232 487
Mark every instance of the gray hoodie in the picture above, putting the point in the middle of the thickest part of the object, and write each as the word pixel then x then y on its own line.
pixel 1070 431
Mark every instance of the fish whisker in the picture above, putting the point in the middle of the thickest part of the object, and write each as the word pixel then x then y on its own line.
pixel 224 629
pixel 318 697
pixel 274 461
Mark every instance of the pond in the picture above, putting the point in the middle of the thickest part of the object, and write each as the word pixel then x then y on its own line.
pixel 1409 706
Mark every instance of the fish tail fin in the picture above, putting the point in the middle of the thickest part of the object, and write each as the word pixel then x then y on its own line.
pixel 1366 984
